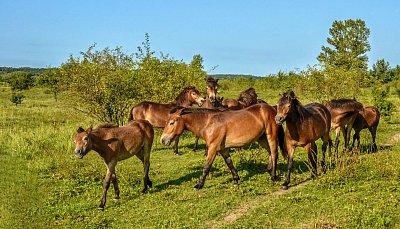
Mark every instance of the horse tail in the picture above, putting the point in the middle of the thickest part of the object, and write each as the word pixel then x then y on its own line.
pixel 281 141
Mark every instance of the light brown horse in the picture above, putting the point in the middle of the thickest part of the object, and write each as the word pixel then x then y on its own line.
pixel 115 144
pixel 246 98
pixel 343 113
pixel 157 113
pixel 304 125
pixel 368 118
pixel 224 130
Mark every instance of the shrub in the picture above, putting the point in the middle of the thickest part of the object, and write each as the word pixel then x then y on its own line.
pixel 16 98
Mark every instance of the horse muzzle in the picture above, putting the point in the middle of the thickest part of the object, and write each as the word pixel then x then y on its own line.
pixel 279 119
pixel 79 153
pixel 165 140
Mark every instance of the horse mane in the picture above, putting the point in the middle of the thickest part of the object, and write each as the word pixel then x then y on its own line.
pixel 298 107
pixel 211 80
pixel 182 96
pixel 107 126
pixel 344 103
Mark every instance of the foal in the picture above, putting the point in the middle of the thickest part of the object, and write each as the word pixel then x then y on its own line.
pixel 304 125
pixel 114 144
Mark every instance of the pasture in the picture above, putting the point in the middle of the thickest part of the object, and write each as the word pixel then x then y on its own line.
pixel 45 186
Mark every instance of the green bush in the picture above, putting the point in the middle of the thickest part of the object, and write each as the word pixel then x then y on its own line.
pixel 17 98
pixel 380 96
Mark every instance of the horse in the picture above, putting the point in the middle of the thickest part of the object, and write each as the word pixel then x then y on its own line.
pixel 157 113
pixel 368 118
pixel 246 98
pixel 212 88
pixel 222 130
pixel 343 113
pixel 304 125
pixel 115 144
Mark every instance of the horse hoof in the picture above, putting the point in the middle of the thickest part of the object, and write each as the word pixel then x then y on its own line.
pixel 285 187
pixel 100 208
pixel 197 187
pixel 144 190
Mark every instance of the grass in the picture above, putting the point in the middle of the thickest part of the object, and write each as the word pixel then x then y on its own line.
pixel 45 186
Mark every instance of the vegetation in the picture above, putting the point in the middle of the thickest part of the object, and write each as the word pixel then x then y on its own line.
pixel 45 186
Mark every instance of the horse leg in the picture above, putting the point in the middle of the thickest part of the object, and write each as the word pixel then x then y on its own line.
pixel 115 184
pixel 356 137
pixel 106 183
pixel 325 144
pixel 269 142
pixel 227 157
pixel 337 140
pixel 144 157
pixel 176 146
pixel 290 150
pixel 312 157
pixel 372 130
pixel 195 143
pixel 209 161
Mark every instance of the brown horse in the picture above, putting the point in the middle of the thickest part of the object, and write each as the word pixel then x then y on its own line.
pixel 114 144
pixel 304 125
pixel 246 98
pixel 368 118
pixel 343 113
pixel 224 130
pixel 212 89
pixel 157 113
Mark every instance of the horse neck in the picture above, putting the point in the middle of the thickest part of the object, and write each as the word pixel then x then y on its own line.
pixel 98 144
pixel 182 100
pixel 295 119
pixel 194 122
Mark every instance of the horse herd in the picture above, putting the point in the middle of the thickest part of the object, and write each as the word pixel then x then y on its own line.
pixel 225 124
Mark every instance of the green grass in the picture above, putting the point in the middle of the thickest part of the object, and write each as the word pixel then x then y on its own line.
pixel 45 186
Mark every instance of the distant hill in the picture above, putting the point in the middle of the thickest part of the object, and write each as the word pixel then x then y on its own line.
pixel 4 70
pixel 224 76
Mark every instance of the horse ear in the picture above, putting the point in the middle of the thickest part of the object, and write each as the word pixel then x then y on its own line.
pixel 291 94
pixel 80 130
pixel 89 130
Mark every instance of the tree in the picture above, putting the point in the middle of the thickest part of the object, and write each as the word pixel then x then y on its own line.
pixel 51 78
pixel 349 39
pixel 19 80
pixel 381 71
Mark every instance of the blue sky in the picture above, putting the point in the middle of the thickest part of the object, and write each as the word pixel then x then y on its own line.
pixel 239 37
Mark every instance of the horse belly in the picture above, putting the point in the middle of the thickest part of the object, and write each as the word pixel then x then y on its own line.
pixel 242 135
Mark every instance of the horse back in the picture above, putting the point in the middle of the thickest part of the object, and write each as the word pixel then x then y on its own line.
pixel 155 113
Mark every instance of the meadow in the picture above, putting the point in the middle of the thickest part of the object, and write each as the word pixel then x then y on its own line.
pixel 45 186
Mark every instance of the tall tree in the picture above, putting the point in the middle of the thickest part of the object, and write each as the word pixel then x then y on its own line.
pixel 349 41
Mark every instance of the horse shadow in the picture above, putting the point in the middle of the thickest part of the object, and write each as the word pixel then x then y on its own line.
pixel 256 168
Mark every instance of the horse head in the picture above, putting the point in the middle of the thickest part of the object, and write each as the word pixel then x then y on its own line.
pixel 174 126
pixel 82 141
pixel 284 107
pixel 212 88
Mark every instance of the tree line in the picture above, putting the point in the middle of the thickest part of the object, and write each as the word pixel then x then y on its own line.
pixel 105 83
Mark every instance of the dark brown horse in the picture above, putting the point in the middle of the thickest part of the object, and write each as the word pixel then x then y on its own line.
pixel 224 130
pixel 368 118
pixel 304 125
pixel 246 98
pixel 157 113
pixel 343 113
pixel 115 144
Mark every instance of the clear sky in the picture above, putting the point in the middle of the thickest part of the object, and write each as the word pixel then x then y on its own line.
pixel 239 37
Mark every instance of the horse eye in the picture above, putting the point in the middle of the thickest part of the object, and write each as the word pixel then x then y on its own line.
pixel 85 138
pixel 171 123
